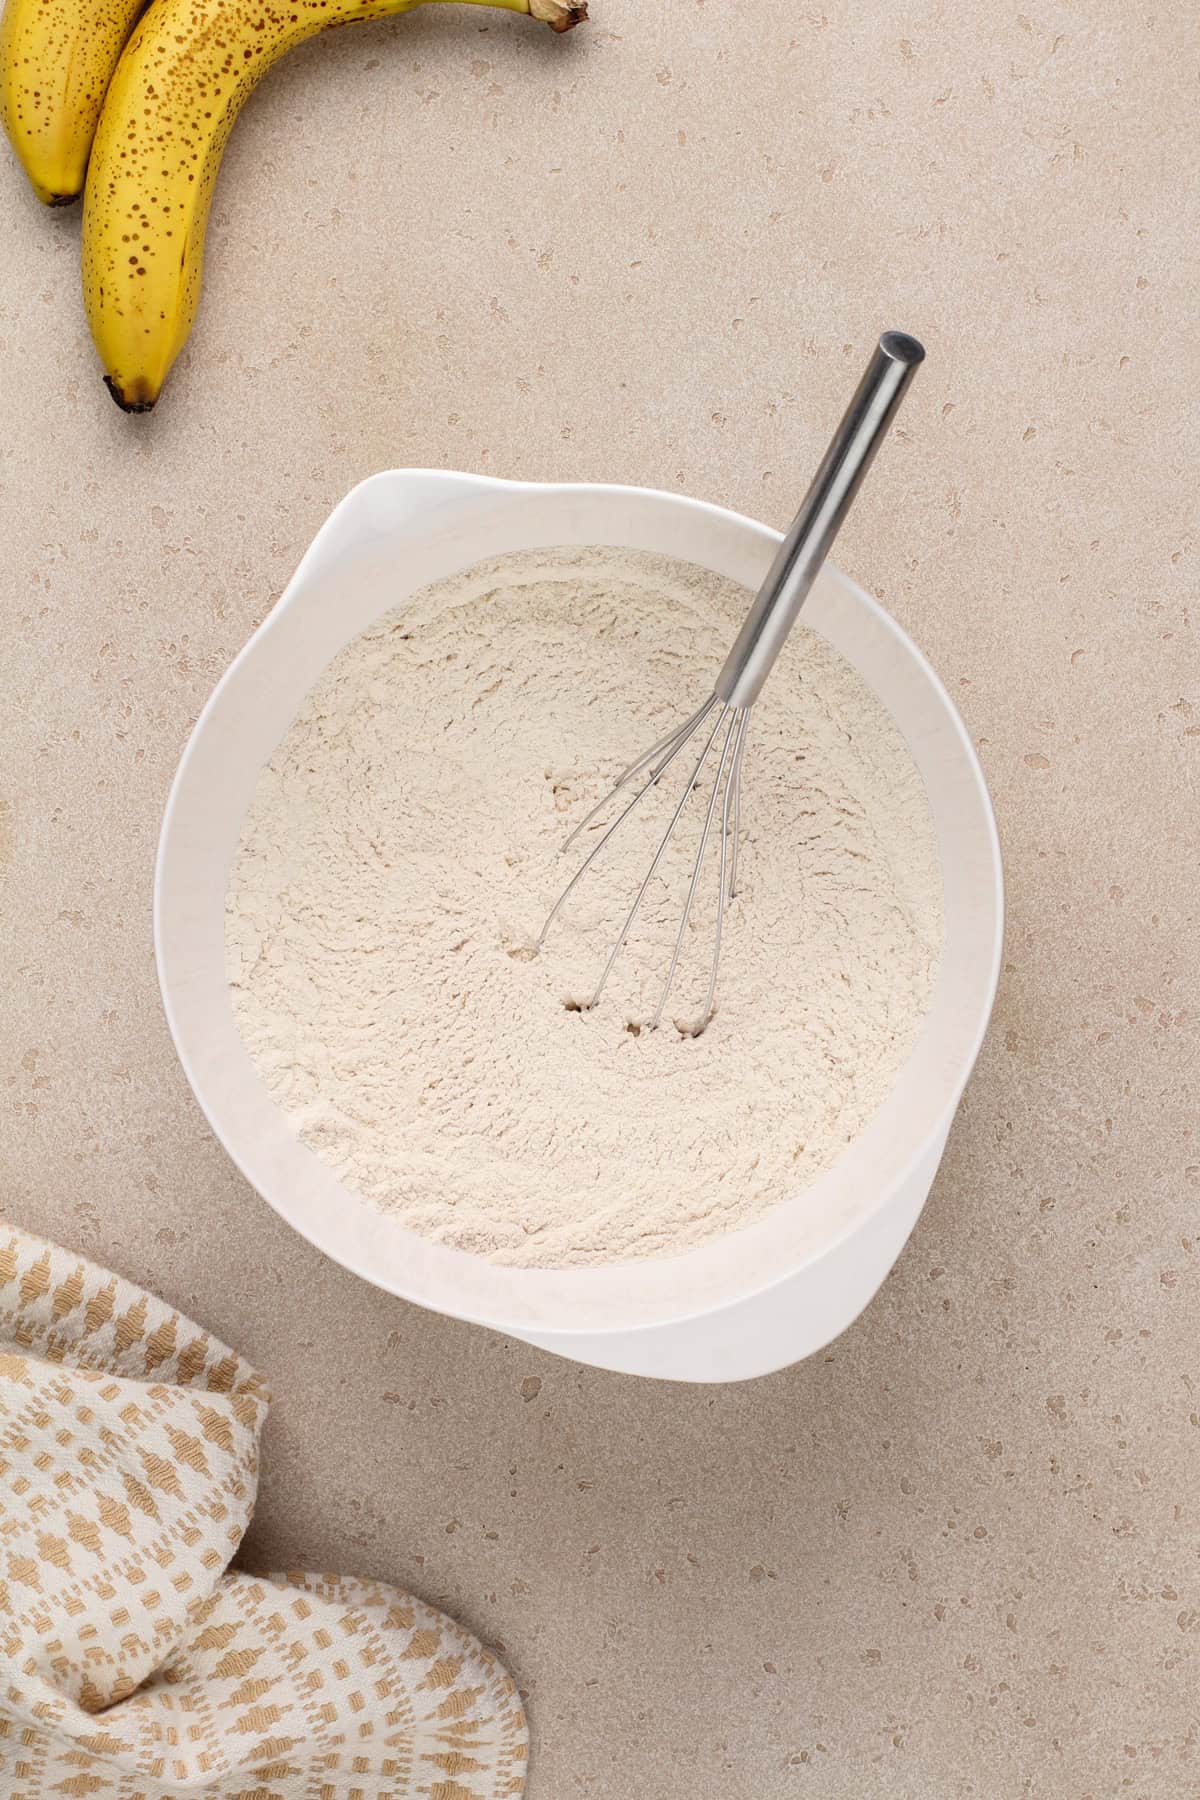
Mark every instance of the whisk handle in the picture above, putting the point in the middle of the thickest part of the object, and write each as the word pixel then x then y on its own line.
pixel 798 561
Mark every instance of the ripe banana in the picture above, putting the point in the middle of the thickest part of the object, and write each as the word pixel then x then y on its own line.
pixel 56 60
pixel 171 105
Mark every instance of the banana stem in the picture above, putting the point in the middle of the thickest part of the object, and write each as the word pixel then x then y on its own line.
pixel 560 15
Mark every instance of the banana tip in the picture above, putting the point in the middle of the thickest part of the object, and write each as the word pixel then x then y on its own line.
pixel 130 403
pixel 50 196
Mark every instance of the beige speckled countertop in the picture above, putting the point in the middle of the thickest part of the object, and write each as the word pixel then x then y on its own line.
pixel 956 1554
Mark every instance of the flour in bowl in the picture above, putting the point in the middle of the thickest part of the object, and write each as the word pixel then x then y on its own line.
pixel 400 856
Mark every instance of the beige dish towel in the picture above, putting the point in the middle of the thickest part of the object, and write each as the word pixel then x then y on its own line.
pixel 133 1662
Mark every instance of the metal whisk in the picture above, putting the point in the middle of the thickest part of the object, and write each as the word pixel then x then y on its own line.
pixel 724 718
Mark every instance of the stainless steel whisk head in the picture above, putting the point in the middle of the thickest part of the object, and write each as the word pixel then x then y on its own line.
pixel 726 788
pixel 723 720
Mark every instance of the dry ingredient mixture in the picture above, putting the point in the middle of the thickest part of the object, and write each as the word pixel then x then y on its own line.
pixel 401 854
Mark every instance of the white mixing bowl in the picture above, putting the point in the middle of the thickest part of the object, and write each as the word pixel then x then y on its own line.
pixel 754 1300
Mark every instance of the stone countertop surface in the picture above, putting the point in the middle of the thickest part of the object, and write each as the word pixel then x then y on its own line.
pixel 955 1554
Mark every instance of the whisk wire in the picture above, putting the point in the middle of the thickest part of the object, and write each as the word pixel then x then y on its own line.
pixel 733 715
pixel 728 846
pixel 620 819
pixel 671 743
pixel 668 742
pixel 658 856
pixel 737 803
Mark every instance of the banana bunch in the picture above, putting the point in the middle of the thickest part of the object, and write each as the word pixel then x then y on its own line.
pixel 132 106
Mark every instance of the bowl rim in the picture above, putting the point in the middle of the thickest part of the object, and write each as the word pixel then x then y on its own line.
pixel 461 484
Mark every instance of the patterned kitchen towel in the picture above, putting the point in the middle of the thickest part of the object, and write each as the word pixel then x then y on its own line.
pixel 133 1663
